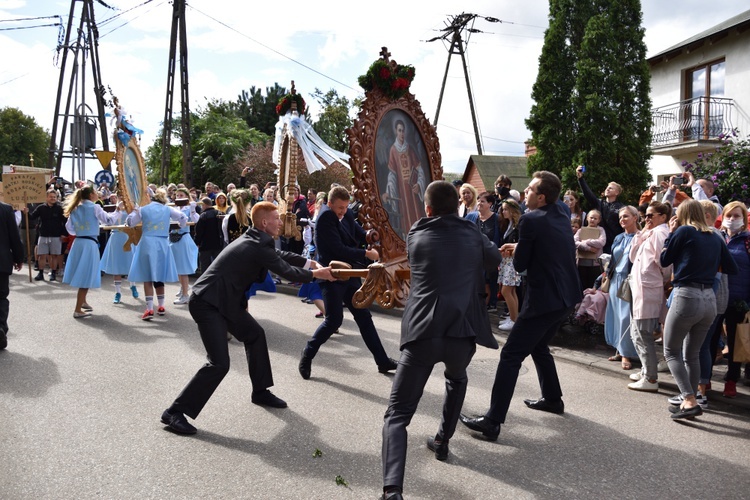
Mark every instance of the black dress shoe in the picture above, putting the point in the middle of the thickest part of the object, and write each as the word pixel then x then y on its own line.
pixel 490 430
pixel 305 366
pixel 392 495
pixel 177 422
pixel 267 398
pixel 557 407
pixel 439 447
pixel 678 413
pixel 392 364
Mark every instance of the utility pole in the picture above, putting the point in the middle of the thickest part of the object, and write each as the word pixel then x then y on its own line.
pixel 178 26
pixel 454 31
pixel 85 122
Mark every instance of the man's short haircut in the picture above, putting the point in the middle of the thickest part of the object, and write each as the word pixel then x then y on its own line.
pixel 504 179
pixel 442 198
pixel 207 201
pixel 260 211
pixel 338 193
pixel 52 190
pixel 549 185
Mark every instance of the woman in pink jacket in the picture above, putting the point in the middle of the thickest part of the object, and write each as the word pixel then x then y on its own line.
pixel 647 281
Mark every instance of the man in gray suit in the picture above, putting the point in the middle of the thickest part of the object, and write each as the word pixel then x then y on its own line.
pixel 11 256
pixel 445 317
pixel 546 253
pixel 218 304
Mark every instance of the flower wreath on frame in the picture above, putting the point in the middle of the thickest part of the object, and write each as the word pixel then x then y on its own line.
pixel 317 153
pixel 285 104
pixel 392 79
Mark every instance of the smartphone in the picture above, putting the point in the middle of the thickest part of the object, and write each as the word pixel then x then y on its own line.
pixel 656 189
pixel 678 181
pixel 583 169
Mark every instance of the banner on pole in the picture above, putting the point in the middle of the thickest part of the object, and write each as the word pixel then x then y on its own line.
pixel 20 189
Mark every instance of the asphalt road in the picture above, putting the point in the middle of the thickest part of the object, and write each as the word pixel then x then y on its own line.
pixel 80 402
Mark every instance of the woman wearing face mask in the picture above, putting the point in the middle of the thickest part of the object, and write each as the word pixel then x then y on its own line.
pixel 734 229
pixel 502 189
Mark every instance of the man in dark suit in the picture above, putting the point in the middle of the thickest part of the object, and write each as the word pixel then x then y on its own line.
pixel 218 305
pixel 339 237
pixel 208 235
pixel 545 252
pixel 445 317
pixel 11 256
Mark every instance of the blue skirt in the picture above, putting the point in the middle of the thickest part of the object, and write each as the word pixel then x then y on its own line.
pixel 82 266
pixel 311 291
pixel 115 260
pixel 185 254
pixel 153 261
pixel 617 321
pixel 266 286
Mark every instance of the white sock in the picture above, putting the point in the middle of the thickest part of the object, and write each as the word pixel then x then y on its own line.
pixel 118 286
pixel 160 298
pixel 150 303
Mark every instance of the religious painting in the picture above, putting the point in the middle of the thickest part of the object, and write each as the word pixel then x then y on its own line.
pixel 402 170
pixel 395 154
pixel 131 171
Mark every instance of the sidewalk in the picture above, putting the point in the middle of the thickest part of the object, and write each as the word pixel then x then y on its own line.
pixel 590 350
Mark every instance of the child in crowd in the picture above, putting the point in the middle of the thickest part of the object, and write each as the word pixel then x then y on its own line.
pixel 589 243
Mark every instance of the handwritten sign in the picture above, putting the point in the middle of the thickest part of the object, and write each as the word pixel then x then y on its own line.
pixel 20 189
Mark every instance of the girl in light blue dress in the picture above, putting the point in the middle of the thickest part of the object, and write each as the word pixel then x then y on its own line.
pixel 184 250
pixel 153 262
pixel 116 260
pixel 82 266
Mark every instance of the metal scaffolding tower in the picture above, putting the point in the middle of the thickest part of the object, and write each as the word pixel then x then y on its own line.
pixel 454 31
pixel 85 54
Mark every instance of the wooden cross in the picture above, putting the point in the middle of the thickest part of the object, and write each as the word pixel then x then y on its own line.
pixel 385 54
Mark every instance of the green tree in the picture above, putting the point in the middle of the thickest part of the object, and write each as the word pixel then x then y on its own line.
pixel 592 95
pixel 258 111
pixel 20 135
pixel 333 120
pixel 218 138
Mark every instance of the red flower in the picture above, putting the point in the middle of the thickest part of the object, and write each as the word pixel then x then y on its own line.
pixel 385 73
pixel 400 84
pixel 278 109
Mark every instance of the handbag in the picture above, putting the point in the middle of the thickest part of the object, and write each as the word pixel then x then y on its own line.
pixel 624 292
pixel 605 284
pixel 176 237
pixel 741 351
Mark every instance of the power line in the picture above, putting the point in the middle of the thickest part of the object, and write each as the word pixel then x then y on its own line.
pixel 483 136
pixel 134 18
pixel 274 50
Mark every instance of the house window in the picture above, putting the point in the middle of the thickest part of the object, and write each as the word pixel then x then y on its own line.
pixel 703 110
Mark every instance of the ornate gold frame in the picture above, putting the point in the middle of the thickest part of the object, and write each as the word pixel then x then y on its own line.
pixel 123 186
pixel 387 285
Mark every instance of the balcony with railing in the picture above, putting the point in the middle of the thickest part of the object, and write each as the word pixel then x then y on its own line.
pixel 691 125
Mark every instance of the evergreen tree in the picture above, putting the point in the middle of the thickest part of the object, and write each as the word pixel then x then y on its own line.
pixel 592 104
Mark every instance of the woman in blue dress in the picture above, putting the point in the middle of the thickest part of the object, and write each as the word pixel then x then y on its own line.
pixel 184 250
pixel 617 319
pixel 116 260
pixel 153 262
pixel 82 266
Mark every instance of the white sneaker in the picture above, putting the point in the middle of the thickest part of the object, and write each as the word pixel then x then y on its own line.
pixel 644 385
pixel 178 294
pixel 636 376
pixel 506 325
pixel 183 299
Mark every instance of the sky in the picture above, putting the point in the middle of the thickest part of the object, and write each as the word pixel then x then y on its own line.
pixel 233 46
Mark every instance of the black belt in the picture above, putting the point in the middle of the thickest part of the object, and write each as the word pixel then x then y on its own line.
pixel 700 286
pixel 88 238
